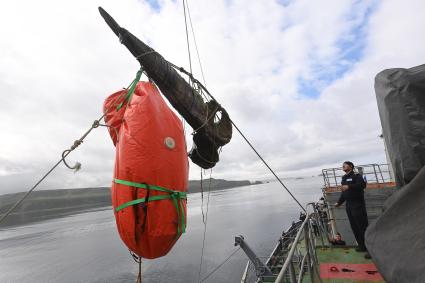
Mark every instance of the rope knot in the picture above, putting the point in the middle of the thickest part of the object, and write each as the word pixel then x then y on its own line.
pixel 76 144
pixel 96 124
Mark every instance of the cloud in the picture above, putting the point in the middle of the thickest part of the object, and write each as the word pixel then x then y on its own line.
pixel 296 77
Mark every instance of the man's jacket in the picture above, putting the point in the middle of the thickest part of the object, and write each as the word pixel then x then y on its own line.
pixel 356 186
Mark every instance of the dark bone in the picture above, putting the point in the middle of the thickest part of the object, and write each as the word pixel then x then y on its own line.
pixel 186 100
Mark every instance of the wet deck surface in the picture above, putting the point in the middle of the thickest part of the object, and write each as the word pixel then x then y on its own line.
pixel 348 259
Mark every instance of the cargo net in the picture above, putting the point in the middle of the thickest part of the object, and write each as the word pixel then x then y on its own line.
pixel 215 132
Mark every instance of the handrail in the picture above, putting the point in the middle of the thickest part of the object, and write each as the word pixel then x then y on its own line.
pixel 245 273
pixel 374 173
pixel 307 229
pixel 298 263
pixel 282 272
pixel 300 275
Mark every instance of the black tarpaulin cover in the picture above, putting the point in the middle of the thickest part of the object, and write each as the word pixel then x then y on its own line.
pixel 400 94
pixel 396 239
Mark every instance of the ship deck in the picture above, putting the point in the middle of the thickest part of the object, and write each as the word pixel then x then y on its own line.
pixel 336 264
pixel 304 254
pixel 346 263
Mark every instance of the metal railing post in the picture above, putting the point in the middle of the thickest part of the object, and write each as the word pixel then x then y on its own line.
pixel 328 178
pixel 281 277
pixel 336 182
pixel 292 276
pixel 380 172
pixel 245 273
pixel 312 242
pixel 319 223
pixel 376 175
pixel 300 275
pixel 307 246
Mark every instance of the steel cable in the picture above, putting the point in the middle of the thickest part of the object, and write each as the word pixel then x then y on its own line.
pixel 65 153
pixel 220 265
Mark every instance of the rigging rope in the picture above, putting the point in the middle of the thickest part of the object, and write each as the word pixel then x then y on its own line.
pixel 66 152
pixel 187 36
pixel 267 165
pixel 139 275
pixel 204 216
pixel 194 41
pixel 205 221
pixel 35 186
pixel 202 198
pixel 191 77
pixel 194 82
pixel 188 52
pixel 220 265
pixel 138 260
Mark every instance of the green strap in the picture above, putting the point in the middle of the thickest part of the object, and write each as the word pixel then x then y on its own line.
pixel 145 186
pixel 131 89
pixel 141 200
pixel 176 196
pixel 133 202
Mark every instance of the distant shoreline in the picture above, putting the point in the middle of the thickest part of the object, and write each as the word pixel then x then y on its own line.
pixel 50 204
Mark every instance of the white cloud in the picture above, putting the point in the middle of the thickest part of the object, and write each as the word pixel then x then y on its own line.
pixel 60 61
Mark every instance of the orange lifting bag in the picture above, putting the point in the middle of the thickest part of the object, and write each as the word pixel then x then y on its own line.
pixel 151 170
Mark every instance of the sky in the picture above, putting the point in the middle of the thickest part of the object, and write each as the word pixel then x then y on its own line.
pixel 296 76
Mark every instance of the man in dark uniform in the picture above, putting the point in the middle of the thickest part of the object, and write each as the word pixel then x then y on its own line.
pixel 352 188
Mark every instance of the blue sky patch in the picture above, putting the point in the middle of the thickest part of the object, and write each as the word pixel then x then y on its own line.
pixel 351 48
pixel 308 89
pixel 284 3
pixel 154 4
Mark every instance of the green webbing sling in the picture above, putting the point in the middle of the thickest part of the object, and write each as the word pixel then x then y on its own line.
pixel 175 196
pixel 131 89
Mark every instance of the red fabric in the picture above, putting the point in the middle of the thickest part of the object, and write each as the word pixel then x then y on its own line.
pixel 143 157
pixel 335 271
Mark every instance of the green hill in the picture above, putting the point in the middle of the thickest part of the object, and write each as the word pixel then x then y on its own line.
pixel 47 204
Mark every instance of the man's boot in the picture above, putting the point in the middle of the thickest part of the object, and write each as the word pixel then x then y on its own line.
pixel 361 249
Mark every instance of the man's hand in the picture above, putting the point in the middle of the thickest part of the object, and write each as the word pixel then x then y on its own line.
pixel 344 188
pixel 337 204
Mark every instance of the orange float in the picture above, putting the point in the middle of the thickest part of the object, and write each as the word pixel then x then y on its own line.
pixel 151 170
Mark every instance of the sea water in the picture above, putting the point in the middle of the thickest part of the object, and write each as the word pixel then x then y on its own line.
pixel 86 247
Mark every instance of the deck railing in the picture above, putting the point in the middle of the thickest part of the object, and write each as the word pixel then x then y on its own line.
pixel 299 258
pixel 372 173
pixel 312 233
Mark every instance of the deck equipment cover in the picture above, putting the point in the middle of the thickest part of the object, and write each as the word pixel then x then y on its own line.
pixel 395 240
pixel 400 94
